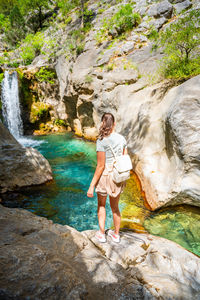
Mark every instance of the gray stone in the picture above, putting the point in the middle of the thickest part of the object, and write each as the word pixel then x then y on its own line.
pixel 158 23
pixel 157 261
pixel 143 38
pixel 134 37
pixel 179 7
pixel 146 60
pixel 141 7
pixel 20 166
pixel 162 9
pixel 40 61
pixel 106 56
pixel 143 26
pixel 121 77
pixel 42 260
pixel 126 48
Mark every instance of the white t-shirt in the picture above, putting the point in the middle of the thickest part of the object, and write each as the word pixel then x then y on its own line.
pixel 118 143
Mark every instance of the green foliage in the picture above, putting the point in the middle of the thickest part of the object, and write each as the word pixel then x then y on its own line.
pixel 46 75
pixel 6 6
pixel 31 47
pixel 122 21
pixel 60 122
pixel 101 10
pixel 1 77
pixel 130 65
pixel 37 7
pixel 3 60
pixel 13 26
pixel 17 17
pixel 75 41
pixel 125 19
pixel 39 111
pixel 68 20
pixel 87 17
pixel 67 6
pixel 4 23
pixel 153 34
pixel 80 48
pixel 181 43
pixel 80 6
pixel 110 67
pixel 88 79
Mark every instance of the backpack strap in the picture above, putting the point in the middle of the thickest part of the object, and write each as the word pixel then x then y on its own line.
pixel 112 150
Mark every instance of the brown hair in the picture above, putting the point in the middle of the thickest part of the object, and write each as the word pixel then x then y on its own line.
pixel 107 123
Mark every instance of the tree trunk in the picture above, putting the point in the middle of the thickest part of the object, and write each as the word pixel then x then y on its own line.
pixel 40 17
pixel 82 13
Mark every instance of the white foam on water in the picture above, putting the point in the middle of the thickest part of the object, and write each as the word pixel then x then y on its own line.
pixel 29 142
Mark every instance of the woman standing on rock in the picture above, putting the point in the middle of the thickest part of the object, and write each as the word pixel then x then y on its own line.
pixel 107 142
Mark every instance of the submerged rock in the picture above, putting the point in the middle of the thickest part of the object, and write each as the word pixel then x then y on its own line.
pixel 42 260
pixel 20 166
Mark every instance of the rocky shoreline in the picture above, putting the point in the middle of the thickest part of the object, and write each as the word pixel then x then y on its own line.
pixel 20 166
pixel 43 260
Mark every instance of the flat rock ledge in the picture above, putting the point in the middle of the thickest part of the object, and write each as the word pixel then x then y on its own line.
pixel 43 260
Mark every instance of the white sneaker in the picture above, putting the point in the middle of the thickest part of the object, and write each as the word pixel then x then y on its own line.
pixel 100 237
pixel 115 237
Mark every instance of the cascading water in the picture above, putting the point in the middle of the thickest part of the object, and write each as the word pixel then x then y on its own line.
pixel 10 104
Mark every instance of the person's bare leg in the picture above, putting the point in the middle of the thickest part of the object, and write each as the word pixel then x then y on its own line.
pixel 101 211
pixel 114 201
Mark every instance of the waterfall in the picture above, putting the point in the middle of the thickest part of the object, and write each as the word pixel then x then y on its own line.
pixel 10 104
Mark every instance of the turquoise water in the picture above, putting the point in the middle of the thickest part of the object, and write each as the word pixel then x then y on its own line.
pixel 64 200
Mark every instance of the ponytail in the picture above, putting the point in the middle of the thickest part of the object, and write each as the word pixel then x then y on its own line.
pixel 107 124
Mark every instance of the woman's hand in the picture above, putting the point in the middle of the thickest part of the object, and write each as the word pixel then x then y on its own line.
pixel 90 192
pixel 101 158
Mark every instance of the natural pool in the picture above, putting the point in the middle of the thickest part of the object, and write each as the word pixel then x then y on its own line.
pixel 64 200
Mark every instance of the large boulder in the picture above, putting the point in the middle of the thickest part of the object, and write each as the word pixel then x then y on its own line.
pixel 20 166
pixel 161 125
pixel 160 9
pixel 42 260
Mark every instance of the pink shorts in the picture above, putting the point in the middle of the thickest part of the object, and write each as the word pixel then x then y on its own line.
pixel 106 186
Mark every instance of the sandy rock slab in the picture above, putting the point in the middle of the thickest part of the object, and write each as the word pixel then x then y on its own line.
pixel 166 269
pixel 43 260
pixel 20 166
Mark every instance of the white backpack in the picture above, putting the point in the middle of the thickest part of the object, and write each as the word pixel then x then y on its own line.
pixel 121 167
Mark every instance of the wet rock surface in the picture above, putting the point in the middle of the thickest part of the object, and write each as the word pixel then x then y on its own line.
pixel 41 260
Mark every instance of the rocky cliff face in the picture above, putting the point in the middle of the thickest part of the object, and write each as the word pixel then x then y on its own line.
pixel 41 260
pixel 20 166
pixel 160 121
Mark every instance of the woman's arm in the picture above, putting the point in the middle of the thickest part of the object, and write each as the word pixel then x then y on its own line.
pixel 101 158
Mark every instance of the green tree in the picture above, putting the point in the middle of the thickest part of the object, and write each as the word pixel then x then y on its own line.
pixel 6 6
pixel 180 42
pixel 80 5
pixel 30 6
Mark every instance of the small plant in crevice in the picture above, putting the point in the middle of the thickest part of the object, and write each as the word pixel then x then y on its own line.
pixel 1 77
pixel 46 75
pixel 110 67
pixel 39 112
pixel 60 122
pixel 75 42
pixel 121 22
pixel 88 79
